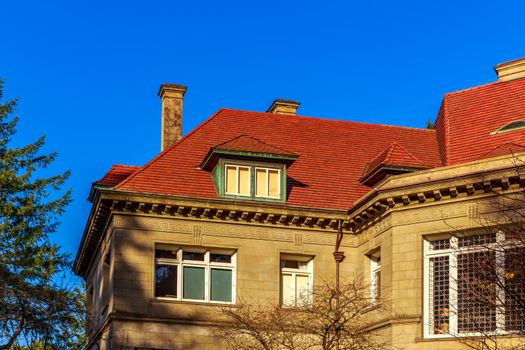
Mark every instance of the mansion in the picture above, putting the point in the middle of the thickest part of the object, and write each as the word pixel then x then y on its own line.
pixel 247 205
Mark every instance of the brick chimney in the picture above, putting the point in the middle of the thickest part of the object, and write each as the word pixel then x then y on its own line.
pixel 511 70
pixel 280 106
pixel 171 122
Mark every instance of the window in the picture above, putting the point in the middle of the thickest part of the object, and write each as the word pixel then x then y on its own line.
pixel 514 125
pixel 267 182
pixel 250 181
pixel 89 309
pixel 375 277
pixel 238 180
pixel 104 290
pixel 296 281
pixel 193 274
pixel 468 287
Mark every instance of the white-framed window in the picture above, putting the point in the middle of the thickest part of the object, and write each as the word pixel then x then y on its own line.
pixel 466 282
pixel 296 281
pixel 375 277
pixel 267 182
pixel 104 287
pixel 89 308
pixel 194 274
pixel 237 180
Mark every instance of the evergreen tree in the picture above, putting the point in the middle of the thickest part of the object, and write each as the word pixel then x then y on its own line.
pixel 37 309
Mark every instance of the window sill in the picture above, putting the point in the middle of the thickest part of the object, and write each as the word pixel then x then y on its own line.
pixel 253 199
pixel 192 302
pixel 104 309
pixel 450 337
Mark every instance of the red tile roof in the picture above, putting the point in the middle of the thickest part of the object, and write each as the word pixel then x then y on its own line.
pixel 116 174
pixel 504 149
pixel 467 118
pixel 394 155
pixel 251 144
pixel 331 156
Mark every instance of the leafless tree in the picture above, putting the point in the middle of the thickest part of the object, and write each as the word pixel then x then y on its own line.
pixel 486 298
pixel 317 325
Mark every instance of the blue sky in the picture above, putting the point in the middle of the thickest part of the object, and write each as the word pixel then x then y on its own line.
pixel 87 72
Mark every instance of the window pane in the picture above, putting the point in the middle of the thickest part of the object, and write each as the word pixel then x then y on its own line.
pixel 514 278
pixel 287 290
pixel 302 290
pixel 377 284
pixel 221 285
pixel 476 292
pixel 291 264
pixel 479 240
pixel 195 256
pixel 439 281
pixel 193 283
pixel 221 258
pixel 166 254
pixel 440 244
pixel 166 281
pixel 261 182
pixel 273 183
pixel 244 181
pixel 231 179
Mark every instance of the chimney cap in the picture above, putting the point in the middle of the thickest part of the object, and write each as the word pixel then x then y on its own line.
pixel 511 69
pixel 283 106
pixel 171 88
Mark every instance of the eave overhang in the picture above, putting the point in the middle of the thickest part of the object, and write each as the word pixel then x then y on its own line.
pixel 481 177
pixel 386 170
pixel 215 154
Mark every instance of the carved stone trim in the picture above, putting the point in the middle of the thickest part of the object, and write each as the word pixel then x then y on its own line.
pixel 364 216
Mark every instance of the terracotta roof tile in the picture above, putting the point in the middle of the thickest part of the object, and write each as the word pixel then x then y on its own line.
pixel 504 149
pixel 251 144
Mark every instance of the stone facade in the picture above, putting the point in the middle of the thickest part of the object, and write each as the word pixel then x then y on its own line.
pixel 139 320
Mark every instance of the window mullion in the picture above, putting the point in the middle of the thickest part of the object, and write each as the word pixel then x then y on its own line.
pixel 207 274
pixel 238 177
pixel 267 183
pixel 279 182
pixel 500 291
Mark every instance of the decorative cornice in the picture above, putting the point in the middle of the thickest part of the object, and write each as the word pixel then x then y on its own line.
pixel 108 202
pixel 379 203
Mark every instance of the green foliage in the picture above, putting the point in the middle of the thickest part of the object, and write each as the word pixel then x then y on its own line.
pixel 430 124
pixel 36 311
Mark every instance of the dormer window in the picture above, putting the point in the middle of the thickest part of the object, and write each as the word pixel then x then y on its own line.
pixel 248 168
pixel 514 125
pixel 267 182
pixel 249 180
pixel 237 180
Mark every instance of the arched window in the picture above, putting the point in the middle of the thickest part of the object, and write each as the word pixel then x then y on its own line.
pixel 514 125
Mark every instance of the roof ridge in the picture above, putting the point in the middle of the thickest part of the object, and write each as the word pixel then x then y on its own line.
pixel 501 145
pixel 230 140
pixel 409 153
pixel 482 86
pixel 125 166
pixel 338 120
pixel 256 139
pixel 161 154
pixel 390 149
